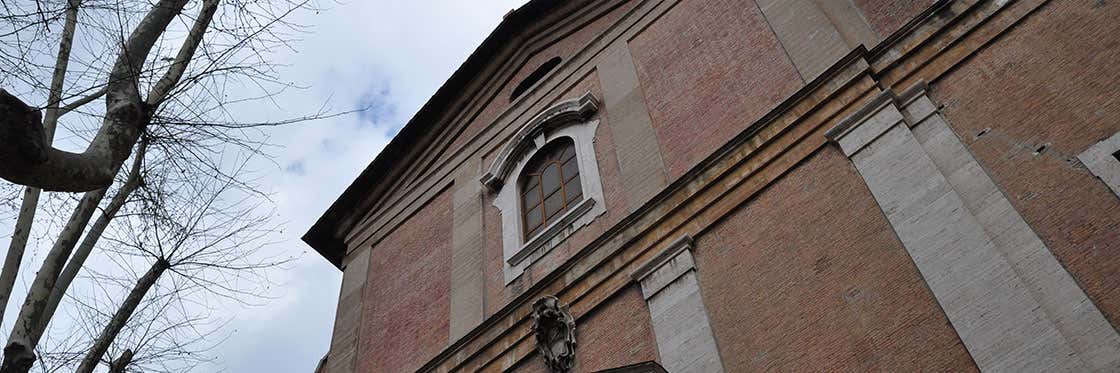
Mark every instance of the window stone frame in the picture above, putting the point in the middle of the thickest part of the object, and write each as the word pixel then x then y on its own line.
pixel 573 119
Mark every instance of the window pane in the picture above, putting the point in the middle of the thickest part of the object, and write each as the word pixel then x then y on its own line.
pixel 550 178
pixel 569 152
pixel 571 169
pixel 532 197
pixel 533 218
pixel 533 232
pixel 530 182
pixel 573 189
pixel 549 185
pixel 553 204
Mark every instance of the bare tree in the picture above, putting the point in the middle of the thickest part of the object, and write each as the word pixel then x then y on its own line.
pixel 197 240
pixel 162 70
pixel 163 335
pixel 208 238
pixel 9 200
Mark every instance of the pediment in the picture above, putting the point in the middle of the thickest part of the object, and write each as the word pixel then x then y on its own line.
pixel 526 139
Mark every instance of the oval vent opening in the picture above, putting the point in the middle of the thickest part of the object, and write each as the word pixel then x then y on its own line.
pixel 534 77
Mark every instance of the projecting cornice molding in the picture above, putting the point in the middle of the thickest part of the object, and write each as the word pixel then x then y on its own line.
pixel 525 140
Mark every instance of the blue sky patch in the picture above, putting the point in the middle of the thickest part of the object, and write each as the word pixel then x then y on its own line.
pixel 376 105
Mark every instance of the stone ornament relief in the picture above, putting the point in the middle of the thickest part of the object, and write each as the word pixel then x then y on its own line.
pixel 555 330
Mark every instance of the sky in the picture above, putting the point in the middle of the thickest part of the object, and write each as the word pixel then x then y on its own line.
pixel 388 56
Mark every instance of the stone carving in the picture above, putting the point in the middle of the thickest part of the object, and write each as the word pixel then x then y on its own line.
pixel 555 330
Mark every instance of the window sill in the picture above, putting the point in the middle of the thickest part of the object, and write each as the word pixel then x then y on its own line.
pixel 557 231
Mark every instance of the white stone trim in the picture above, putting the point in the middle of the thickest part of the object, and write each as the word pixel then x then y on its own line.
pixel 527 139
pixel 671 289
pixel 568 119
pixel 1101 160
pixel 668 266
pixel 1012 303
pixel 555 230
pixel 468 279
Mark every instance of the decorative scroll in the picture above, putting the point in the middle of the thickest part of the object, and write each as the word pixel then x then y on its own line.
pixel 555 330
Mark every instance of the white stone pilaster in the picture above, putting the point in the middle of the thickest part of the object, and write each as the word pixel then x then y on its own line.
pixel 680 321
pixel 1012 303
pixel 467 255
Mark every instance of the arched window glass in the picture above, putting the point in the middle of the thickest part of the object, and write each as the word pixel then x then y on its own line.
pixel 549 185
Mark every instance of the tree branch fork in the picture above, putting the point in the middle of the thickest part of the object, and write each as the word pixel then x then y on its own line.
pixel 27 158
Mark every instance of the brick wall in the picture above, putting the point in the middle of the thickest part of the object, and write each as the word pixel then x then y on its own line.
pixel 887 16
pixel 827 288
pixel 708 69
pixel 1051 80
pixel 405 320
pixel 617 334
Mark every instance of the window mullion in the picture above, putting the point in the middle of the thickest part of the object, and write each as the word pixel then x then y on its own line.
pixel 563 193
pixel 540 193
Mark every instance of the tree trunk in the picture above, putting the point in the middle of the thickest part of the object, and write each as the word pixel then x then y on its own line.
pixel 18 244
pixel 120 318
pixel 41 301
pixel 31 194
pixel 19 353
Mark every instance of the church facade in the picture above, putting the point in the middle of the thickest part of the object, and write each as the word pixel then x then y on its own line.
pixel 733 186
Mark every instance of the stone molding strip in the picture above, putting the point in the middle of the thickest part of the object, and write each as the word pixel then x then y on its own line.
pixel 671 253
pixel 556 231
pixel 640 164
pixel 808 34
pixel 643 367
pixel 343 354
pixel 468 282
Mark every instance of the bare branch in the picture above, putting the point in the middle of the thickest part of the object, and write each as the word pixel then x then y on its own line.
pixel 93 357
pixel 190 122
pixel 77 261
pixel 74 105
pixel 186 54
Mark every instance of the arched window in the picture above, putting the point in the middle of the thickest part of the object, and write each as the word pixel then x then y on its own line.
pixel 549 185
pixel 546 182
